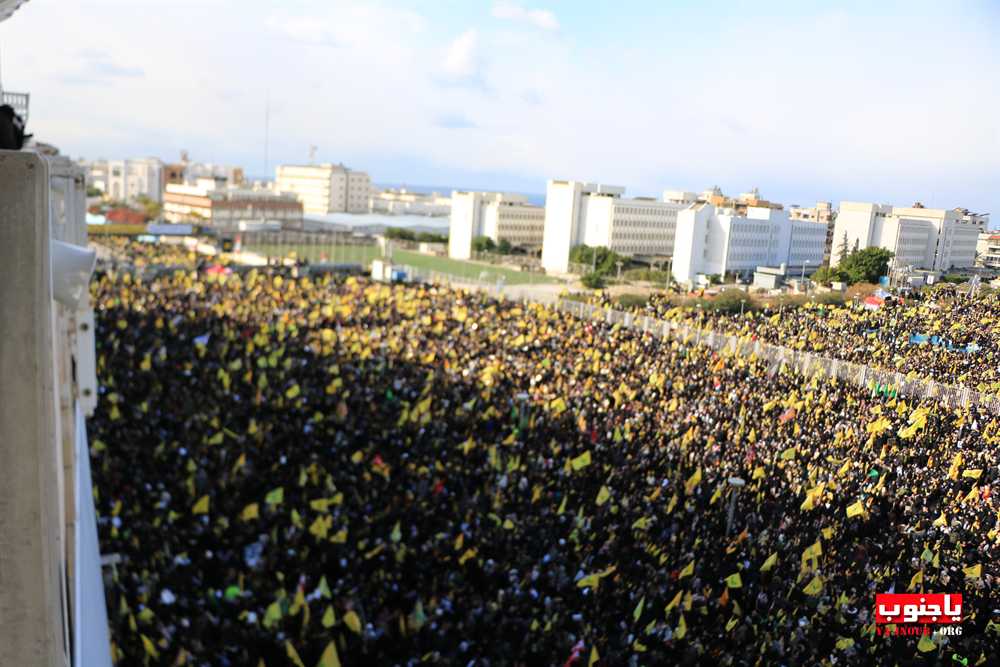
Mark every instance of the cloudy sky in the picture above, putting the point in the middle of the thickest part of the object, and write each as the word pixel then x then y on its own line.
pixel 885 101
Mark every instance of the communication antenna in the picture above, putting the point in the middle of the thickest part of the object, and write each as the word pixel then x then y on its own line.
pixel 312 155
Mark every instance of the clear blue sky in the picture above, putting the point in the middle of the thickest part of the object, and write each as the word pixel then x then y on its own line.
pixel 887 101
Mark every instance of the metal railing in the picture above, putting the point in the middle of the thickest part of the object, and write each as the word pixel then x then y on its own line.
pixel 804 363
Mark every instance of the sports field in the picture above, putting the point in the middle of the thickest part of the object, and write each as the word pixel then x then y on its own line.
pixel 365 254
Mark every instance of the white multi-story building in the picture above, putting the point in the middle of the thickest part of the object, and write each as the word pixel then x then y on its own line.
pixel 126 180
pixel 822 212
pixel 325 188
pixel 723 240
pixel 578 213
pixel 988 250
pixel 923 238
pixel 500 216
pixel 404 202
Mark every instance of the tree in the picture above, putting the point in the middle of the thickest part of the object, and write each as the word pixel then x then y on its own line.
pixel 483 244
pixel 843 248
pixel 150 208
pixel 504 247
pixel 400 234
pixel 865 266
pixel 600 258
pixel 827 274
pixel 593 280
pixel 431 237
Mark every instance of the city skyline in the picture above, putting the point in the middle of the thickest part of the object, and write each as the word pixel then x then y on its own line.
pixel 806 102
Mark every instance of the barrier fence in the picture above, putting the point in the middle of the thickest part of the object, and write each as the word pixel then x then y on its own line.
pixel 805 363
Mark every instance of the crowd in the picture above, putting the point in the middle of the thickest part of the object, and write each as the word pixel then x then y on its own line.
pixel 339 472
pixel 945 336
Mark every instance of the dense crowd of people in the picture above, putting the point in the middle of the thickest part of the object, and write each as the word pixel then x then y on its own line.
pixel 940 335
pixel 335 471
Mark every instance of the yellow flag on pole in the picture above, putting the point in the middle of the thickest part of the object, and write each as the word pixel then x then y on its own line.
pixel 200 507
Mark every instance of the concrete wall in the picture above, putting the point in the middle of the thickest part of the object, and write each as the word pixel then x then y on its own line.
pixel 32 615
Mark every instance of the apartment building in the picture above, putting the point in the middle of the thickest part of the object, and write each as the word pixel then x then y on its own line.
pixel 227 207
pixel 126 180
pixel 325 188
pixel 579 213
pixel 500 216
pixel 924 238
pixel 737 239
pixel 988 250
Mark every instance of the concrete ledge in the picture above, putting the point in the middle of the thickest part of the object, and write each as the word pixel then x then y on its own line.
pixel 31 605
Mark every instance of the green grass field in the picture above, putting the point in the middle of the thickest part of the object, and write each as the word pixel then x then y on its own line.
pixel 339 254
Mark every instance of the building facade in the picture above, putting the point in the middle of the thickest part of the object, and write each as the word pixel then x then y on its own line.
pixel 988 250
pixel 498 215
pixel 227 207
pixel 578 213
pixel 715 240
pixel 126 180
pixel 404 202
pixel 325 188
pixel 919 237
pixel 822 212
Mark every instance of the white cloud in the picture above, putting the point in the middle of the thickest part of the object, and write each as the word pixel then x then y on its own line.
pixel 540 18
pixel 462 61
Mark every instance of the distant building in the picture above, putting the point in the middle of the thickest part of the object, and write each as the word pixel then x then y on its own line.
pixel 404 202
pixel 227 207
pixel 500 216
pixel 578 213
pixel 738 239
pixel 924 238
pixel 325 188
pixel 988 250
pixel 126 180
pixel 821 212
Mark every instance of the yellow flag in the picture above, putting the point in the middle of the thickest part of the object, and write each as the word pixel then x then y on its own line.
pixel 687 571
pixel 353 622
pixel 329 618
pixel 329 657
pixel 594 656
pixel 788 454
pixel 293 655
pixel 603 495
pixel 814 587
pixel 250 512
pixel 581 461
pixel 734 581
pixel 844 643
pixel 771 561
pixel 758 472
pixel 240 462
pixel 940 521
pixel 926 644
pixel 200 507
pixel 916 579
pixel 682 628
pixel 149 646
pixel 974 572
pixel 974 473
pixel 692 482
pixel 855 509
pixel 673 603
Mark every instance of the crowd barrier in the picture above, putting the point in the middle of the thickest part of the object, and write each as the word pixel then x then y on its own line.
pixel 805 363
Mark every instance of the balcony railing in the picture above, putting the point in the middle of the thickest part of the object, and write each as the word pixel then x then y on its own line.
pixel 17 100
